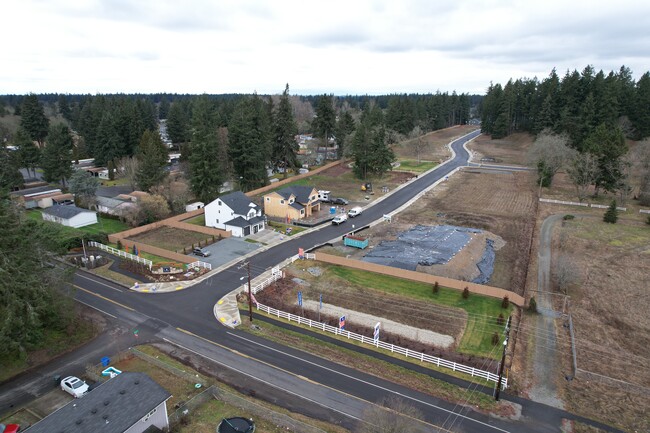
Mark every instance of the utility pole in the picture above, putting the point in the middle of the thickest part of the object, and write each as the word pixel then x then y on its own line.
pixel 503 360
pixel 250 297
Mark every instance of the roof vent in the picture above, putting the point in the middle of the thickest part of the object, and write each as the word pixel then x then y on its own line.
pixel 106 402
pixel 93 410
pixel 137 382
pixel 105 416
pixel 78 422
pixel 122 391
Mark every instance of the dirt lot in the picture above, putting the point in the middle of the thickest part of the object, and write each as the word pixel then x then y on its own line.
pixel 169 238
pixel 609 305
pixel 433 145
pixel 509 150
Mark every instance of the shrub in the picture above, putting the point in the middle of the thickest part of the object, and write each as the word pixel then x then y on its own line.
pixel 466 293
pixel 495 338
pixel 500 320
pixel 118 245
pixel 532 305
pixel 505 303
pixel 436 288
pixel 647 220
pixel 611 216
pixel 568 217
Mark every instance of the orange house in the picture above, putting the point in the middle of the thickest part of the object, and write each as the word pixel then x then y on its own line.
pixel 293 202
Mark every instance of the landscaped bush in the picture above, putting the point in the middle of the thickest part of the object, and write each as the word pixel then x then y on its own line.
pixel 436 288
pixel 532 305
pixel 568 217
pixel 466 293
pixel 505 303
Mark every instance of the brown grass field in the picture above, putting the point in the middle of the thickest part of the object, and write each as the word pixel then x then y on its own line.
pixel 509 150
pixel 169 238
pixel 434 144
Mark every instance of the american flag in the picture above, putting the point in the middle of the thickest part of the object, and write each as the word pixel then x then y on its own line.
pixel 342 322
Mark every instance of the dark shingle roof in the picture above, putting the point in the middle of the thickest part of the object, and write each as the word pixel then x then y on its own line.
pixel 300 191
pixel 112 407
pixel 242 222
pixel 238 202
pixel 65 211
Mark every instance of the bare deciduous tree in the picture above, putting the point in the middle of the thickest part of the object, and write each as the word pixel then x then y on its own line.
pixel 393 415
pixel 147 210
pixel 175 191
pixel 566 273
pixel 127 168
pixel 550 153
pixel 417 140
pixel 583 171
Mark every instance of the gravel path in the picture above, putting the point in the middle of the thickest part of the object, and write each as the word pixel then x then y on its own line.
pixel 410 332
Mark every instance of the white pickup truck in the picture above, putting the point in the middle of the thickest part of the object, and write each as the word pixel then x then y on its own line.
pixel 355 211
pixel 340 218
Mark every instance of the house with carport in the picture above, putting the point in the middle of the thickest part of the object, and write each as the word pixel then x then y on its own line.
pixel 292 202
pixel 236 213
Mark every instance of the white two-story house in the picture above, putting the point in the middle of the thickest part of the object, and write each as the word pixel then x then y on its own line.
pixel 234 212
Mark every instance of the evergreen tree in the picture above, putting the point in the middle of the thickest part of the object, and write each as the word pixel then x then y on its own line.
pixel 84 187
pixel 285 147
pixel 28 153
pixel 163 108
pixel 64 107
pixel 208 165
pixel 641 113
pixel 611 215
pixel 608 145
pixel 33 119
pixel 250 142
pixel 344 127
pixel 56 160
pixel 108 142
pixel 325 121
pixel 372 155
pixel 10 177
pixel 152 157
pixel 178 123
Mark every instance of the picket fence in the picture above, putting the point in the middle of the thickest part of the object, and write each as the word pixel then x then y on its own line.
pixel 575 203
pixel 121 253
pixel 200 264
pixel 439 362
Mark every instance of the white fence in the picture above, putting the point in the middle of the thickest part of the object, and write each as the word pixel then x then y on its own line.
pixel 644 210
pixel 121 253
pixel 394 349
pixel 575 203
pixel 200 264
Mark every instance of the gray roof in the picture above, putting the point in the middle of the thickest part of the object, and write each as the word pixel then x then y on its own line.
pixel 242 222
pixel 112 407
pixel 36 190
pixel 238 202
pixel 297 205
pixel 65 211
pixel 110 202
pixel 301 192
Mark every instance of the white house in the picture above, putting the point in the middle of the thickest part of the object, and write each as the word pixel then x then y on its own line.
pixel 71 216
pixel 234 212
pixel 128 403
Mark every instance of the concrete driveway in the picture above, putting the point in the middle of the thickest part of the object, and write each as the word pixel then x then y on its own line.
pixel 226 250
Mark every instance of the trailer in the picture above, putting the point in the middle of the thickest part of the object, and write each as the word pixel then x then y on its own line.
pixel 355 241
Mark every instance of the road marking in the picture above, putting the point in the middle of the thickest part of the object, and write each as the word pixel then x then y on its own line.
pixel 104 298
pixel 371 384
pixel 99 282
pixel 95 308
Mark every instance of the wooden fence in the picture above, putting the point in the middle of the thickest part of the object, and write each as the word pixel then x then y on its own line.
pixel 494 292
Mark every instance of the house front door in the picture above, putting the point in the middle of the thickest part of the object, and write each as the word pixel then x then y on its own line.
pixel 247 230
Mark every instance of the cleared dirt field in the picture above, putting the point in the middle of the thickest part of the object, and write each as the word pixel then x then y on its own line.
pixel 609 304
pixel 433 146
pixel 509 150
pixel 169 238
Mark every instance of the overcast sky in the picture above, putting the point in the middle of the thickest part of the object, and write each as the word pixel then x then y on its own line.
pixel 340 47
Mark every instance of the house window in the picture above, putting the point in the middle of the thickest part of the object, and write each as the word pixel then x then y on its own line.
pixel 302 211
pixel 149 415
pixel 281 201
pixel 217 221
pixel 268 198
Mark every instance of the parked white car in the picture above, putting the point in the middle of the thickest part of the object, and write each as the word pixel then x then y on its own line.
pixel 74 386
pixel 355 211
pixel 340 219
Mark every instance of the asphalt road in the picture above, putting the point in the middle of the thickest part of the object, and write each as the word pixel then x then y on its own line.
pixel 185 318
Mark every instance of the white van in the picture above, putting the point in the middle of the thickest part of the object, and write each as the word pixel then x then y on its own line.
pixel 355 211
pixel 324 196
pixel 339 219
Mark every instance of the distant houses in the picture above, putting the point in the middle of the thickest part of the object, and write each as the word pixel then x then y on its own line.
pixel 41 197
pixel 235 212
pixel 291 203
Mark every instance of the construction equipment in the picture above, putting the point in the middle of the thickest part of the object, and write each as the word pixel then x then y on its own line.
pixel 367 187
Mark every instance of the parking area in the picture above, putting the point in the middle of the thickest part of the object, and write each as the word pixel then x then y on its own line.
pixel 226 250
pixel 38 409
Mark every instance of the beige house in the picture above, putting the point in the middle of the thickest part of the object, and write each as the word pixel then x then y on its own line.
pixel 291 203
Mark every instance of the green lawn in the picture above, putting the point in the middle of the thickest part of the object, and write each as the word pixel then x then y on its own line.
pixel 283 228
pixel 481 310
pixel 104 225
pixel 415 167
pixel 198 220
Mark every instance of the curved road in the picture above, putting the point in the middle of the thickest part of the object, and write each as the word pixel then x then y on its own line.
pixel 185 318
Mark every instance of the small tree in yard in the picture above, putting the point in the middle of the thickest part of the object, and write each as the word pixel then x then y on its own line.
pixel 505 303
pixel 611 216
pixel 436 288
pixel 500 319
pixel 495 338
pixel 647 221
pixel 532 305
pixel 466 293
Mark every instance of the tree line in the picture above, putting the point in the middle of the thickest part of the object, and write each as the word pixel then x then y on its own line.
pixel 581 122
